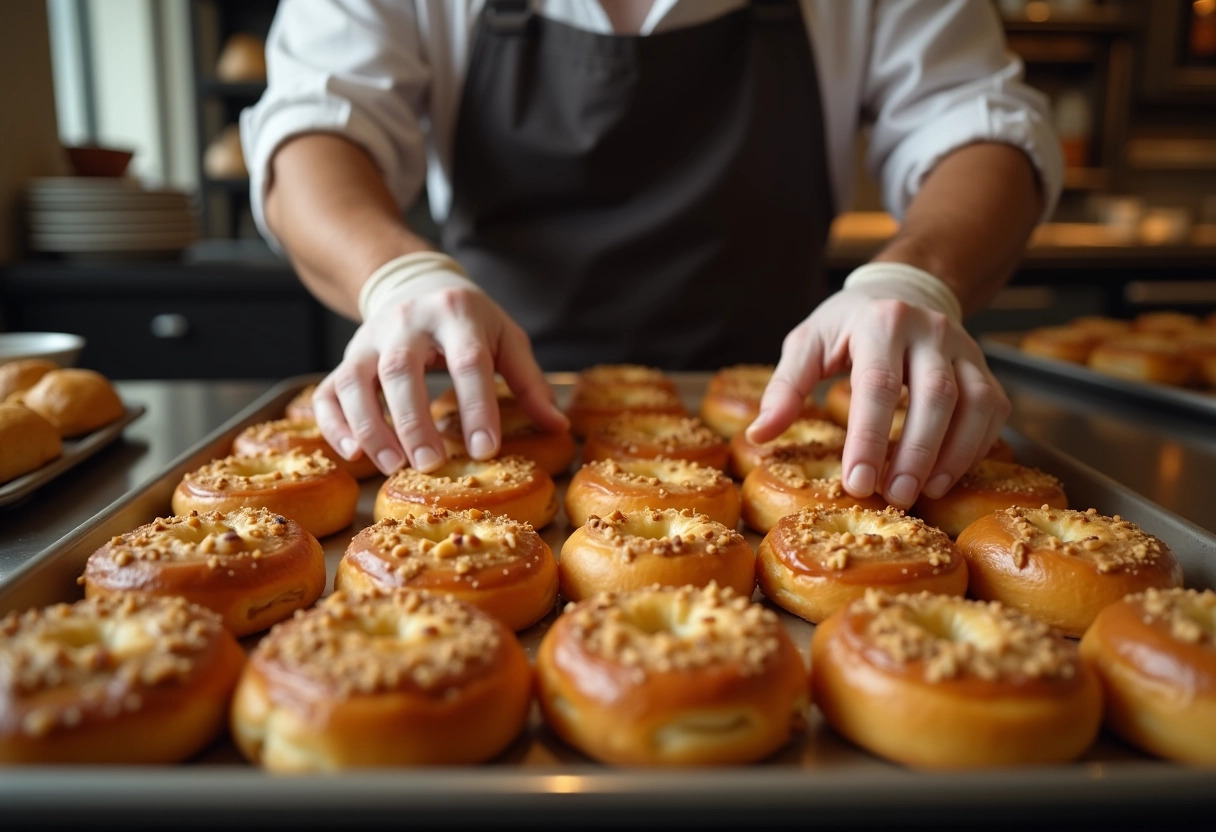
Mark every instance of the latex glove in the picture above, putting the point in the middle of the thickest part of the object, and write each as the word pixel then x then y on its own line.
pixel 891 325
pixel 422 312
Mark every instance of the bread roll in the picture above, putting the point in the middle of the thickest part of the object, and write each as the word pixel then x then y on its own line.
pixel 27 441
pixel 75 401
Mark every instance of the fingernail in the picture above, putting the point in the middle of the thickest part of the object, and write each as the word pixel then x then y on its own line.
pixel 903 490
pixel 862 480
pixel 348 448
pixel 426 458
pixel 480 445
pixel 937 485
pixel 389 460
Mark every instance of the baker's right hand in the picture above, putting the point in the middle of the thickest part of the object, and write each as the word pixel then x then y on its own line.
pixel 420 313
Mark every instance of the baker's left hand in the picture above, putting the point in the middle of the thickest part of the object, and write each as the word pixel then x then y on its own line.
pixel 889 331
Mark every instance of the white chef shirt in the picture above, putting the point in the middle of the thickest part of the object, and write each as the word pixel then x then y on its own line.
pixel 928 75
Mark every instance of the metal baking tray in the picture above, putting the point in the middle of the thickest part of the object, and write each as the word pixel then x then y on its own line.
pixel 817 779
pixel 75 451
pixel 1004 346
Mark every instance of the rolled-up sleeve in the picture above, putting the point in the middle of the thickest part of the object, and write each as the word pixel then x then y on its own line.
pixel 940 77
pixel 354 69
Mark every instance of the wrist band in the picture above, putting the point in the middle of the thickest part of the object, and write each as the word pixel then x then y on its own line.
pixel 908 283
pixel 409 268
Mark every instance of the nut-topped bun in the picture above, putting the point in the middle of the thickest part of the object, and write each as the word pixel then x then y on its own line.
pixel 732 398
pixel 941 682
pixel 816 436
pixel 512 485
pixel 307 487
pixel 603 487
pixel 816 560
pixel 794 479
pixel 670 547
pixel 253 566
pixel 553 451
pixel 605 391
pixel 1062 565
pixel 499 565
pixel 990 485
pixel 118 679
pixel 393 678
pixel 671 676
pixel 282 435
pixel 652 435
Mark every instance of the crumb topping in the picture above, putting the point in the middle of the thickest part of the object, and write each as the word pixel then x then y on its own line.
pixel 743 381
pixel 620 374
pixel 819 434
pixel 840 537
pixel 1188 614
pixel 253 472
pixel 264 433
pixel 660 472
pixel 669 432
pixel 360 644
pixel 1112 544
pixel 1006 478
pixel 662 532
pixel 957 638
pixel 108 652
pixel 807 470
pixel 627 397
pixel 666 629
pixel 214 536
pixel 463 542
pixel 464 473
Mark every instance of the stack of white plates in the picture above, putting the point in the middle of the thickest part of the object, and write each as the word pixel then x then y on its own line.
pixel 107 217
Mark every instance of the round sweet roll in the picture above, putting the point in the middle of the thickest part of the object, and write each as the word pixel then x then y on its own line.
pixel 76 401
pixel 1154 358
pixel 670 547
pixel 499 565
pixel 990 485
pixel 818 436
pixel 1199 345
pixel 299 407
pixel 512 485
pixel 27 441
pixel 251 565
pixel 307 487
pixel 600 488
pixel 732 398
pixel 652 435
pixel 793 480
pixel 116 679
pixel 393 678
pixel 282 435
pixel 817 560
pixel 1165 322
pixel 1063 565
pixel 839 396
pixel 941 682
pixel 1061 343
pixel 671 676
pixel 22 374
pixel 1103 325
pixel 553 451
pixel 1155 652
pixel 606 391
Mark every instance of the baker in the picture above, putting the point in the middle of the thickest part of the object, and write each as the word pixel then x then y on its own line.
pixel 651 181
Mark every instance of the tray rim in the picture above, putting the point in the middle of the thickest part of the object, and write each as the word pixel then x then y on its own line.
pixel 211 790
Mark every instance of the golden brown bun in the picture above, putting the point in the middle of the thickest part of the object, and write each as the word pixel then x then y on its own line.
pixel 299 407
pixel 282 435
pixel 817 436
pixel 605 391
pixel 792 480
pixel 308 488
pixel 1155 652
pixel 601 488
pixel 553 451
pixel 123 679
pixel 940 682
pixel 1063 566
pixel 511 485
pixel 382 679
pixel 27 441
pixel 653 435
pixel 252 566
pixel 1165 322
pixel 1153 358
pixel 668 547
pixel 243 58
pixel 499 565
pixel 989 486
pixel 74 400
pixel 817 560
pixel 19 376
pixel 732 398
pixel 671 676
pixel 1061 343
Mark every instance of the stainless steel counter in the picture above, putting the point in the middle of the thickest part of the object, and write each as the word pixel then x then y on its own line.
pixel 1167 456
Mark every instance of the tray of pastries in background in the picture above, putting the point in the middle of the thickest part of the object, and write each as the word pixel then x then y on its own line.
pixel 542 748
pixel 52 418
pixel 1163 356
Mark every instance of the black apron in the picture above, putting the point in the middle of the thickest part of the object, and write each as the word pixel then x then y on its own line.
pixel 661 200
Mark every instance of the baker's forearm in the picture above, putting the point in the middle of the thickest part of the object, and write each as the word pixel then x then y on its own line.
pixel 330 208
pixel 970 221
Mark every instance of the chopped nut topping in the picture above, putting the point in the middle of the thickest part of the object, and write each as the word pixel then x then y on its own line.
pixel 1111 544
pixel 661 532
pixel 216 538
pixel 819 535
pixel 1188 614
pixel 257 471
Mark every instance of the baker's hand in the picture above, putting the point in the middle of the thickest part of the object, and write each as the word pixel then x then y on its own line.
pixel 893 325
pixel 421 312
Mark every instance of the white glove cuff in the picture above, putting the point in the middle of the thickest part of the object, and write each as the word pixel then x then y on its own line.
pixel 424 271
pixel 899 280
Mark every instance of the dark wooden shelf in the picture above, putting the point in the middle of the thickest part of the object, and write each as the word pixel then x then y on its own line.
pixel 231 89
pixel 1096 22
